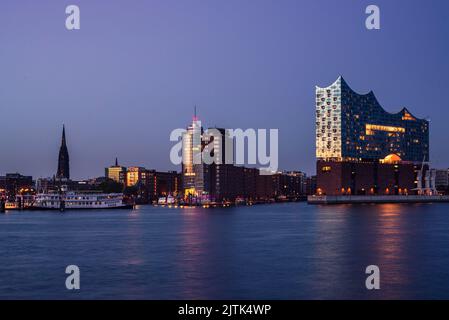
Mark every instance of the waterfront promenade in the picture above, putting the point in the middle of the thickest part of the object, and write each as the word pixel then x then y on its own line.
pixel 377 199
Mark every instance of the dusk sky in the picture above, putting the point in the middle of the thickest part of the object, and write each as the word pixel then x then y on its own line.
pixel 135 69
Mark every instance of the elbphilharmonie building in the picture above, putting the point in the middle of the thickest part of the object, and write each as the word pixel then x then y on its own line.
pixel 362 149
pixel 355 127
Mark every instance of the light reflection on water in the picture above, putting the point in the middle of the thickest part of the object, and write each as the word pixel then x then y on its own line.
pixel 285 251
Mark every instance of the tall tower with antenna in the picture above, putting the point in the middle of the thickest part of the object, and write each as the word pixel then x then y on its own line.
pixel 195 180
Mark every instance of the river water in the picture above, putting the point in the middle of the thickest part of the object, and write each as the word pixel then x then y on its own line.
pixel 279 251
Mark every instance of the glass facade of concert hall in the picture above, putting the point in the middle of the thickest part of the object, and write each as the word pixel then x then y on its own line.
pixel 355 127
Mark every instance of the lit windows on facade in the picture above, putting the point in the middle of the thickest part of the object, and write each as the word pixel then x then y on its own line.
pixel 194 171
pixel 116 173
pixel 135 175
pixel 328 122
pixel 354 127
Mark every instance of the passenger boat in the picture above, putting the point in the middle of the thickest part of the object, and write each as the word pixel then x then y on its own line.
pixel 20 202
pixel 79 201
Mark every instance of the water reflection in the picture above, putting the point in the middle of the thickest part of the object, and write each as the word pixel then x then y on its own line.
pixel 288 251
pixel 330 253
pixel 390 251
pixel 348 238
pixel 192 254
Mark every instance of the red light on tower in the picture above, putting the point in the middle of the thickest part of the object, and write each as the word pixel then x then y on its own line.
pixel 195 118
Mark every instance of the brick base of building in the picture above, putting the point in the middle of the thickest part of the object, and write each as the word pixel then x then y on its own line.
pixel 366 178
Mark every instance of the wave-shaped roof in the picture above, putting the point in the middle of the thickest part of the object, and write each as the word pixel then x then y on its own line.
pixel 404 112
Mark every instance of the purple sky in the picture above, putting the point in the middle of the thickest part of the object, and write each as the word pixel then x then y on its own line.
pixel 136 69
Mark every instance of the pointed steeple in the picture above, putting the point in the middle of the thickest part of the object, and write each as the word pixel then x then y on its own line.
pixel 116 162
pixel 63 142
pixel 63 159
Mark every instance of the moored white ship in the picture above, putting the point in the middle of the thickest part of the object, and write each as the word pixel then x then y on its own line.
pixel 79 201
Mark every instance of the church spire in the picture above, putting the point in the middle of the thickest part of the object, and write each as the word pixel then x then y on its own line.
pixel 63 159
pixel 63 142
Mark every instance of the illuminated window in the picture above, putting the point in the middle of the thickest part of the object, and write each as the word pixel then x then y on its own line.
pixel 372 128
pixel 408 116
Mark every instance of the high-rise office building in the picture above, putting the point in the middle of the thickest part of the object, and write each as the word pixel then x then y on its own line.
pixel 209 172
pixel 225 177
pixel 195 173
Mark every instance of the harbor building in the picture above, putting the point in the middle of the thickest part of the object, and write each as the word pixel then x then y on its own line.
pixel 363 149
pixel 116 172
pixel 14 183
pixel 289 184
pixel 311 185
pixel 222 180
pixel 355 127
pixel 442 180
pixel 148 185
pixel 136 175
pixel 167 183
pixel 225 178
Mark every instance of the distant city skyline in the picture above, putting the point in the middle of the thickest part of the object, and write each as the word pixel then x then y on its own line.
pixel 134 72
